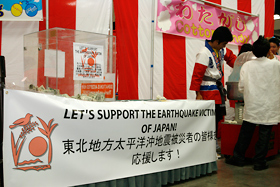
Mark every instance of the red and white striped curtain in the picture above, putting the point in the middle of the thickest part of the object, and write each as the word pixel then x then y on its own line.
pixel 138 44
pixel 173 56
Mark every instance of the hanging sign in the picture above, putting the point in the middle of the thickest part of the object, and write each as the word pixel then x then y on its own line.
pixel 191 19
pixel 17 10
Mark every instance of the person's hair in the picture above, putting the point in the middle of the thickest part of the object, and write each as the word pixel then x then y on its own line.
pixel 261 47
pixel 222 34
pixel 245 47
pixel 274 40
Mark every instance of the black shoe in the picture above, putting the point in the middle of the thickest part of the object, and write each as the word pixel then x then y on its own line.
pixel 259 167
pixel 235 162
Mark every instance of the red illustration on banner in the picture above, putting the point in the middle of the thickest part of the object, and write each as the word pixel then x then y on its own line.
pixel 37 145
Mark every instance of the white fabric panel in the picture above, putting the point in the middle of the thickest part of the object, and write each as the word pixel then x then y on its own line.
pixel 93 15
pixel 144 48
pixel 158 65
pixel 158 61
pixel 12 49
pixel 230 4
pixel 227 69
pixel 193 46
pixel 258 8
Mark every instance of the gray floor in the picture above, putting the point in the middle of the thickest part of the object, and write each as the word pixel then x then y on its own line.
pixel 233 176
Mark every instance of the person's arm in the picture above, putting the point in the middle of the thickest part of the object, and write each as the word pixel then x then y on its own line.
pixel 198 95
pixel 230 57
pixel 198 74
pixel 241 79
pixel 200 66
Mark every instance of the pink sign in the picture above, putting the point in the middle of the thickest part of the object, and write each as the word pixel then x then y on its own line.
pixel 191 19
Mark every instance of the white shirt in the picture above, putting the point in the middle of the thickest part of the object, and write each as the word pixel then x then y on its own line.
pixel 260 84
pixel 203 57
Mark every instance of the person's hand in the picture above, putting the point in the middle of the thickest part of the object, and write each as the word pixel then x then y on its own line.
pixel 270 55
pixel 198 96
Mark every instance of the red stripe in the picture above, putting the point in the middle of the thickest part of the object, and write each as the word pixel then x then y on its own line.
pixel 65 18
pixel 174 59
pixel 269 20
pixel 126 14
pixel 60 17
pixel 244 6
pixel 219 2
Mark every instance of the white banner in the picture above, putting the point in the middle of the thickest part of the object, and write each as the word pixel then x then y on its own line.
pixel 56 141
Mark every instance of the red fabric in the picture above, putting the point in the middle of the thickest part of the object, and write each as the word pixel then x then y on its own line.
pixel 239 47
pixel 126 22
pixel 269 18
pixel 219 2
pixel 244 6
pixel 212 95
pixel 174 58
pixel 230 57
pixel 66 15
pixel 232 103
pixel 67 19
pixel 198 73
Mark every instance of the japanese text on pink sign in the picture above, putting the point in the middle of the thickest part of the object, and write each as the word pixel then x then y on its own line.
pixel 190 19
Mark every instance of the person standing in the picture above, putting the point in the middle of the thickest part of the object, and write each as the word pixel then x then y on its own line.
pixel 260 84
pixel 274 47
pixel 207 73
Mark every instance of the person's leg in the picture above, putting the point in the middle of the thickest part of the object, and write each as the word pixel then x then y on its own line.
pixel 243 142
pixel 261 147
pixel 244 139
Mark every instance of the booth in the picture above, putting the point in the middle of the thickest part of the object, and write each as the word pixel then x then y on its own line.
pixel 64 64
pixel 67 122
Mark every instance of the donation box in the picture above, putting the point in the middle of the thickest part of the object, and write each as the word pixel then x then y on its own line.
pixel 70 63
